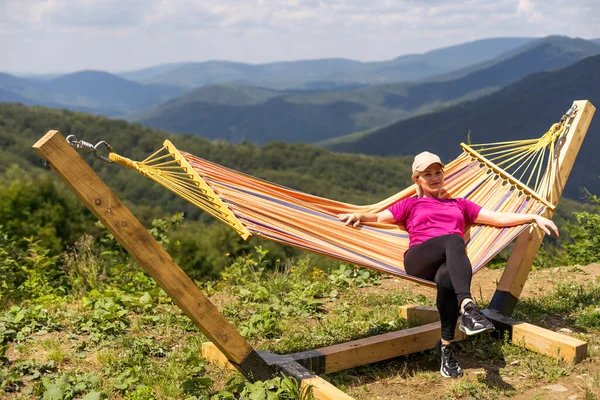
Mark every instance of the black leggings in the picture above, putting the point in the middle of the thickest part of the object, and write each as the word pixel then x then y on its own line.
pixel 443 260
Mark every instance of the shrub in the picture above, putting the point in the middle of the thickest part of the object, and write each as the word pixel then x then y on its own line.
pixel 84 267
pixel 585 248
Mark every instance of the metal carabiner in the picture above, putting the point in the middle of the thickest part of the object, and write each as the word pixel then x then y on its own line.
pixel 571 110
pixel 107 147
pixel 80 144
pixel 90 148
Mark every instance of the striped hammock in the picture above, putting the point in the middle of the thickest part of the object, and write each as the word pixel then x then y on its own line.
pixel 512 176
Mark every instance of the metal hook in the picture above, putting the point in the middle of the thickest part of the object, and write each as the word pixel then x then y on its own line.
pixel 90 148
pixel 571 110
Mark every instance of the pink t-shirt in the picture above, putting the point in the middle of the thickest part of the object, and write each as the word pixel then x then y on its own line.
pixel 426 218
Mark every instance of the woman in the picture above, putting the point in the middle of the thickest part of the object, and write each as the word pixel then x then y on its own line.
pixel 437 249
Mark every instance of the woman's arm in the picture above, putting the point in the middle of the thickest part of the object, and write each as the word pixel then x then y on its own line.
pixel 489 217
pixel 355 219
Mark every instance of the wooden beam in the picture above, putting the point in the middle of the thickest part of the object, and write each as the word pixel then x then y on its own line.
pixel 419 315
pixel 323 390
pixel 549 343
pixel 540 340
pixel 105 205
pixel 214 356
pixel 527 245
pixel 382 347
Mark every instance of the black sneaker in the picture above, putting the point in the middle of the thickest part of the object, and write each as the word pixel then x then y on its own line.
pixel 473 321
pixel 450 368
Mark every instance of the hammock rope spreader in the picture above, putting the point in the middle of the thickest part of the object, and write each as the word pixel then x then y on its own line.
pixel 496 176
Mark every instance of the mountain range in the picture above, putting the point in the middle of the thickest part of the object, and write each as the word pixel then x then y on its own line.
pixel 324 100
pixel 90 91
pixel 328 73
pixel 116 95
pixel 236 113
pixel 523 110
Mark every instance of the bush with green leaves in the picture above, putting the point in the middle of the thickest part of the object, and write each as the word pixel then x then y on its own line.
pixel 19 322
pixel 69 386
pixel 32 204
pixel 12 274
pixel 108 316
pixel 84 266
pixel 28 270
pixel 278 388
pixel 14 377
pixel 583 247
pixel 270 293
pixel 346 275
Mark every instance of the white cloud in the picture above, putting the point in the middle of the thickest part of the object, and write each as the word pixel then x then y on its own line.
pixel 124 34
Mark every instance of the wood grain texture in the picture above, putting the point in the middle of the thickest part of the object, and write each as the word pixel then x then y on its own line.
pixel 105 205
pixel 419 315
pixel 213 355
pixel 550 343
pixel 323 390
pixel 382 347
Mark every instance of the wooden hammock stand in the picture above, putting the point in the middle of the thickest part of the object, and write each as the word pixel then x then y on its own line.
pixel 227 346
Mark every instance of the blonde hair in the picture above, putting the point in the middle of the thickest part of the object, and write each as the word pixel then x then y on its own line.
pixel 416 174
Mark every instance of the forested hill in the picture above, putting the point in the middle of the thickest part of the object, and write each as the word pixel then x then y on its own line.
pixel 523 110
pixel 353 178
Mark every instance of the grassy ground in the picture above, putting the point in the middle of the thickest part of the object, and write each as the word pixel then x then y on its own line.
pixel 129 341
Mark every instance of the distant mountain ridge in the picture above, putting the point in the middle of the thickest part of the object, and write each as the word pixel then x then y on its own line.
pixel 523 110
pixel 237 113
pixel 578 49
pixel 298 74
pixel 91 91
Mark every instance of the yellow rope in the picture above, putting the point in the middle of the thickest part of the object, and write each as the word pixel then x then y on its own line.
pixel 178 176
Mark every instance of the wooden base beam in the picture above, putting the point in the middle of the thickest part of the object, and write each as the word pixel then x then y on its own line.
pixel 382 347
pixel 540 340
pixel 213 355
pixel 419 315
pixel 534 338
pixel 323 390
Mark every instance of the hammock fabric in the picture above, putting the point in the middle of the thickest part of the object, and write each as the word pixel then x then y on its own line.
pixel 256 207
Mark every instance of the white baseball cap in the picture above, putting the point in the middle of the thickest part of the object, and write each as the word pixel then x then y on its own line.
pixel 424 160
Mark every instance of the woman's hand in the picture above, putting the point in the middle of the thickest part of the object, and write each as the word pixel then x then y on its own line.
pixel 546 225
pixel 353 219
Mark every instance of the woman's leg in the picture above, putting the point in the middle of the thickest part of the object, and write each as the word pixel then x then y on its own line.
pixel 459 267
pixel 446 303
pixel 424 260
pixel 428 261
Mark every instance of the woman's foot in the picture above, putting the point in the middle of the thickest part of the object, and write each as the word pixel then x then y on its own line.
pixel 473 321
pixel 450 368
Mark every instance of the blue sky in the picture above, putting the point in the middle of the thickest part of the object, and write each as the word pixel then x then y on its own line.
pixel 48 36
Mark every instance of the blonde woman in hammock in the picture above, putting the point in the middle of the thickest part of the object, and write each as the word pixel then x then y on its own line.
pixel 436 225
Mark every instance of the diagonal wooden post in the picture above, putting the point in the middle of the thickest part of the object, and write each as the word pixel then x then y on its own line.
pixel 105 205
pixel 528 243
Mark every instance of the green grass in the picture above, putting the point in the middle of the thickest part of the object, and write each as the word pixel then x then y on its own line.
pixel 120 341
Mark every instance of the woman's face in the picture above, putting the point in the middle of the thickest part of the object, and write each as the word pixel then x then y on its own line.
pixel 431 180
